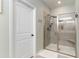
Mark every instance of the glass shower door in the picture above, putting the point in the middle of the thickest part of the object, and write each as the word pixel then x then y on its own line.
pixel 51 33
pixel 67 34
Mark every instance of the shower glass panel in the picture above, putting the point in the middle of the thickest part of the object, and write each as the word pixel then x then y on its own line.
pixel 50 33
pixel 67 34
pixel 60 34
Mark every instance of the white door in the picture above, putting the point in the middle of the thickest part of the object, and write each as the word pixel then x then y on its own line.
pixel 24 30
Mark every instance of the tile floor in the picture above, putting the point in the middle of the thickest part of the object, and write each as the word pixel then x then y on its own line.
pixel 51 54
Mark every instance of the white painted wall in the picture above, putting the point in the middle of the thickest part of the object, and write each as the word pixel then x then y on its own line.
pixel 4 30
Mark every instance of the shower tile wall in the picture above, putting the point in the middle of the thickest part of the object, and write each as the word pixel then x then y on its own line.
pixel 53 32
pixel 67 35
pixel 47 32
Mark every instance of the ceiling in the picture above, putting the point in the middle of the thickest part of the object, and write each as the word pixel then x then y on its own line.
pixel 53 3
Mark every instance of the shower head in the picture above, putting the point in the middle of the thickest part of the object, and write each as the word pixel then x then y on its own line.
pixel 52 16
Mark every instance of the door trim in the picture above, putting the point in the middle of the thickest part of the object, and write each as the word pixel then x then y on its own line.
pixel 12 30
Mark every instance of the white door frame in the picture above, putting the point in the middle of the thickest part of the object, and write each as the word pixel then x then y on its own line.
pixel 12 30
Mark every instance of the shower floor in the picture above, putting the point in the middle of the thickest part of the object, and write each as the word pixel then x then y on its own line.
pixel 63 49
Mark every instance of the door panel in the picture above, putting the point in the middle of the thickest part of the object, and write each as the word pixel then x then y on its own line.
pixel 24 29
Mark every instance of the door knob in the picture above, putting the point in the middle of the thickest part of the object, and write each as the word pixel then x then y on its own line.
pixel 32 34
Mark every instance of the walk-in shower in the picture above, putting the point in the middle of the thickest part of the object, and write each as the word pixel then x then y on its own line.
pixel 60 34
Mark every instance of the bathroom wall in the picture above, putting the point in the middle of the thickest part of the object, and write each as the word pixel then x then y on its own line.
pixel 58 11
pixel 4 30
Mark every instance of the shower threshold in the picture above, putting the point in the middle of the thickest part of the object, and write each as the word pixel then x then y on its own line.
pixel 64 49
